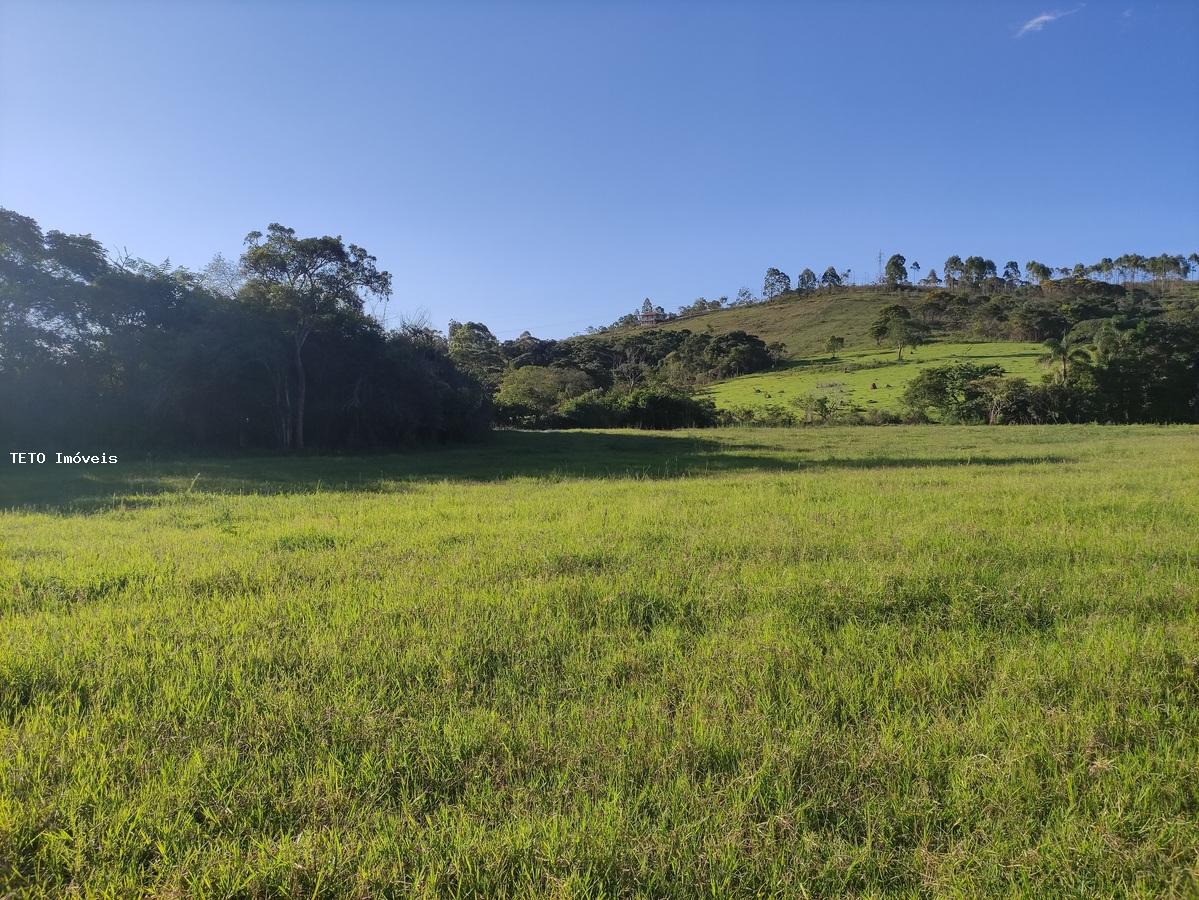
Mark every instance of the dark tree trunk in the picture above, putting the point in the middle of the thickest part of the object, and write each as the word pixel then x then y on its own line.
pixel 283 393
pixel 281 424
pixel 301 393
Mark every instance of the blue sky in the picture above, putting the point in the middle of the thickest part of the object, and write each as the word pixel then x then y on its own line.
pixel 547 165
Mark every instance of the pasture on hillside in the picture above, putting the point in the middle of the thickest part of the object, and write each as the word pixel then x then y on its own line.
pixel 802 323
pixel 848 378
pixel 722 663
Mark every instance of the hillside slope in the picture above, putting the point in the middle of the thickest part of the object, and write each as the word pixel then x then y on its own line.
pixel 984 325
pixel 802 323
pixel 870 379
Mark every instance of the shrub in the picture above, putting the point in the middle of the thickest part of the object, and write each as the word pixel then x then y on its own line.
pixel 529 396
pixel 769 416
pixel 664 408
pixel 953 392
pixel 594 409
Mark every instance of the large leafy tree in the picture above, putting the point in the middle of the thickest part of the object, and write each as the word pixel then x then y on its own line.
pixel 476 351
pixel 776 282
pixel 531 393
pixel 1011 273
pixel 1039 272
pixel 896 272
pixel 888 314
pixel 953 270
pixel 977 269
pixel 737 353
pixel 955 393
pixel 895 323
pixel 906 333
pixel 310 284
pixel 50 304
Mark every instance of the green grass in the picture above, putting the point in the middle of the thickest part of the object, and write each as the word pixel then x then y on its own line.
pixel 809 662
pixel 823 377
pixel 803 323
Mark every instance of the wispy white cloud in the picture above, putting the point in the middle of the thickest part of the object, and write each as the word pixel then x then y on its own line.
pixel 1036 23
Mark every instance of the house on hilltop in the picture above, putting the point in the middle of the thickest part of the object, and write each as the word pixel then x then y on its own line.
pixel 650 314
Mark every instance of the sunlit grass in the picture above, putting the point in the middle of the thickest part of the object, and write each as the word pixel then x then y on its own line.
pixel 744 663
pixel 871 379
pixel 804 323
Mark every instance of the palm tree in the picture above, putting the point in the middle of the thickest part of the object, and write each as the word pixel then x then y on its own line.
pixel 1064 354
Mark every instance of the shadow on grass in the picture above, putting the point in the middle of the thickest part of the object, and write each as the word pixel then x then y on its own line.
pixel 507 455
pixel 815 361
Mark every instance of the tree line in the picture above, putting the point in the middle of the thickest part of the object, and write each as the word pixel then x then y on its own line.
pixel 978 271
pixel 1100 373
pixel 277 351
pixel 640 379
pixel 898 273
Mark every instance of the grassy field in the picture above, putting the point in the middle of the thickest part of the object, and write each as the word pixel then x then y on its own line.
pixel 803 323
pixel 811 662
pixel 823 377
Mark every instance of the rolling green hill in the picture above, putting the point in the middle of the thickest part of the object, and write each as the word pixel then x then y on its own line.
pixel 968 325
pixel 863 375
pixel 851 375
pixel 803 323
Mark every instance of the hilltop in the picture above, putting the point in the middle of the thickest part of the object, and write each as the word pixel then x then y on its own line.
pixel 802 322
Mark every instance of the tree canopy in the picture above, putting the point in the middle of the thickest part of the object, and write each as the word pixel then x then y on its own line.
pixel 309 285
pixel 125 352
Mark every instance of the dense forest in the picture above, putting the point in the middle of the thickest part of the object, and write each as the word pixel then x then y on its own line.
pixel 275 352
pixel 639 379
pixel 280 350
